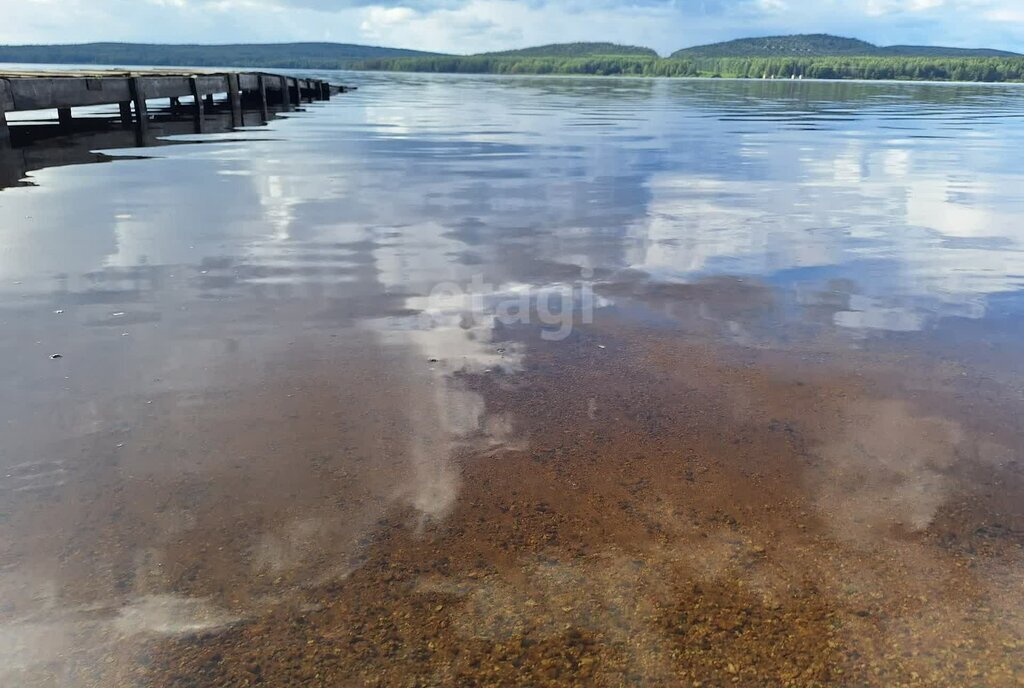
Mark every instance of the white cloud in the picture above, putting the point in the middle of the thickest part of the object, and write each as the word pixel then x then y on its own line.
pixel 477 25
pixel 1005 14
pixel 380 20
pixel 880 7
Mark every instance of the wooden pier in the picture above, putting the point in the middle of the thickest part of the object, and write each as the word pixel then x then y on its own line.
pixel 63 91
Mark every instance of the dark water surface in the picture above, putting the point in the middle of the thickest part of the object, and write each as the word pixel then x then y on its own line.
pixel 496 381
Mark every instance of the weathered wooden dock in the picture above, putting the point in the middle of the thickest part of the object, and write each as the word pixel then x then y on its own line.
pixel 63 91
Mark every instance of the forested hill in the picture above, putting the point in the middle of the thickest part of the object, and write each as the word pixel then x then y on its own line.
pixel 575 50
pixel 298 55
pixel 824 45
pixel 815 56
pixel 937 51
pixel 809 45
pixel 345 55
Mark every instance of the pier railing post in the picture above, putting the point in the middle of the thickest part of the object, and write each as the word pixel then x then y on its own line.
pixel 235 98
pixel 264 112
pixel 198 111
pixel 138 91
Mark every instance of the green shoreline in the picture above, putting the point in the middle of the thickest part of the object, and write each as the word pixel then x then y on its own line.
pixel 950 69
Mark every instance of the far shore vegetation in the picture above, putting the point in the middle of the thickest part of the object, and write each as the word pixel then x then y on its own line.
pixel 806 56
pixel 987 69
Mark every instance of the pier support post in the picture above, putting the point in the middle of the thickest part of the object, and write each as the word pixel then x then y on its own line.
pixel 138 90
pixel 198 111
pixel 326 89
pixel 264 112
pixel 126 113
pixel 5 131
pixel 5 97
pixel 286 102
pixel 64 116
pixel 298 93
pixel 209 100
pixel 235 98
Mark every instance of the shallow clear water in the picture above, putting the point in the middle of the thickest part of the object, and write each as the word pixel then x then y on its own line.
pixel 673 379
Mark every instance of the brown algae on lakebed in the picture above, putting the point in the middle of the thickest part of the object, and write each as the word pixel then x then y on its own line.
pixel 692 522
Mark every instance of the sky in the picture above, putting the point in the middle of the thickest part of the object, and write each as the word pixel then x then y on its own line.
pixel 466 26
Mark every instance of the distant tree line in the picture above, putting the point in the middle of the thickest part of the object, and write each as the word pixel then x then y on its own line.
pixel 288 55
pixel 575 58
pixel 480 64
pixel 987 69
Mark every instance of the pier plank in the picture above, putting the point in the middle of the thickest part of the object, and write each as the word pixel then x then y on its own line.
pixel 249 82
pixel 166 87
pixel 45 94
pixel 210 84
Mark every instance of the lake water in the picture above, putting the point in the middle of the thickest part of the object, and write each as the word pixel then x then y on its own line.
pixel 485 381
